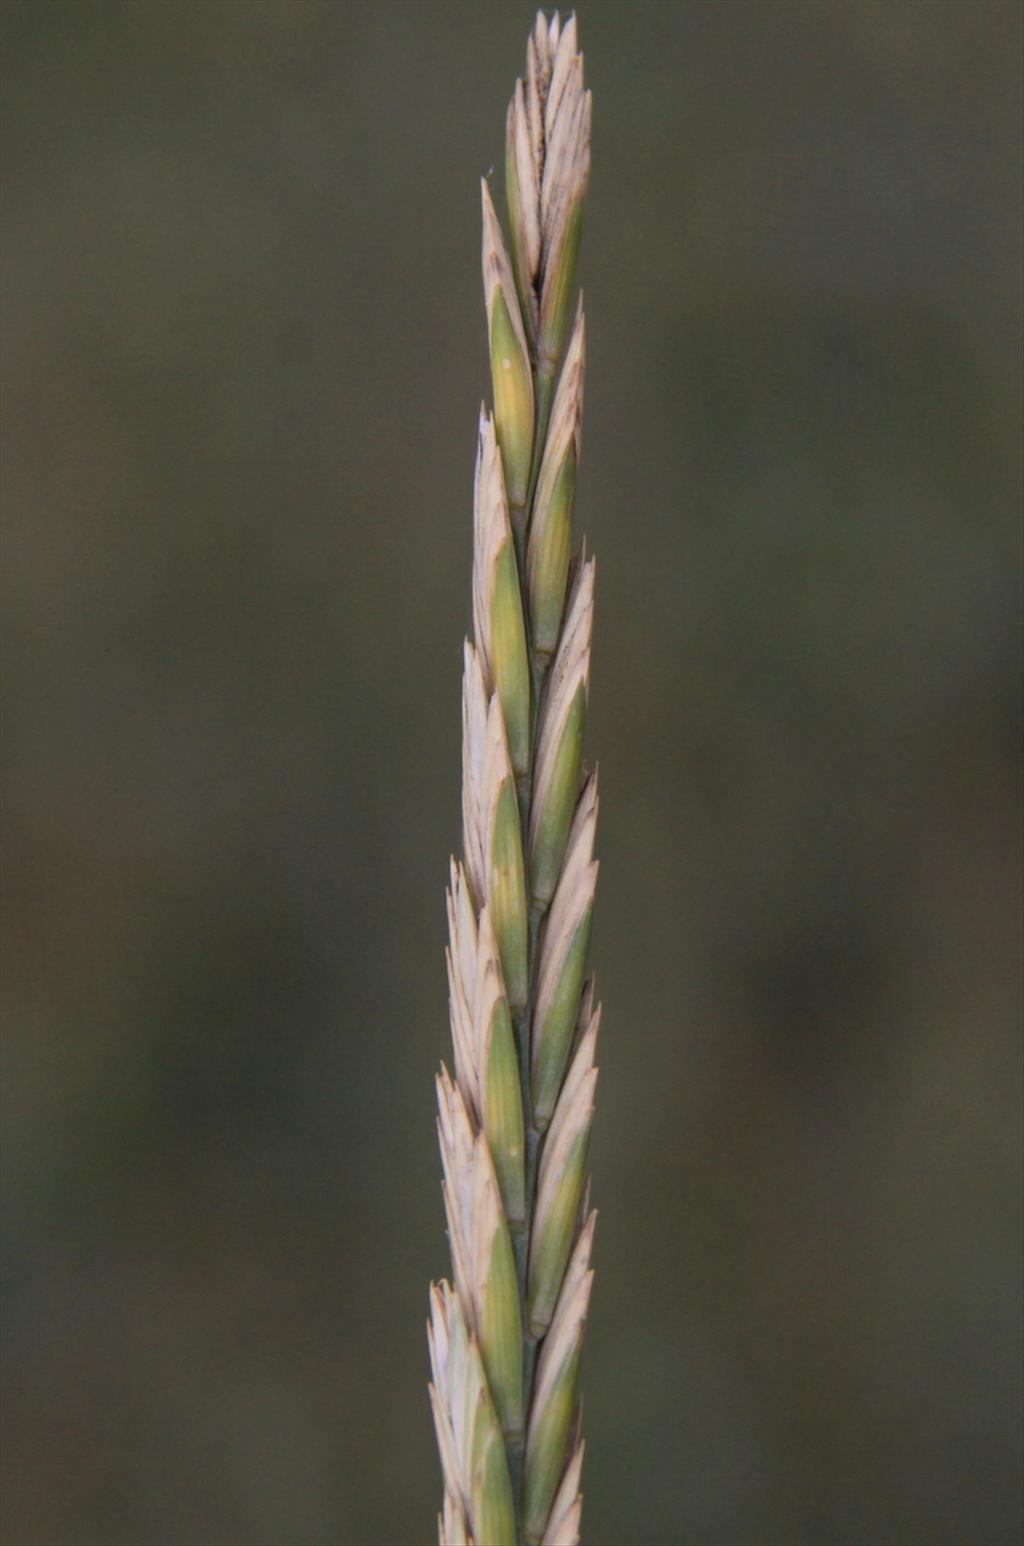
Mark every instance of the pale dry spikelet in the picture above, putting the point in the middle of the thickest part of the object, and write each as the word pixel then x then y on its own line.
pixel 514 1123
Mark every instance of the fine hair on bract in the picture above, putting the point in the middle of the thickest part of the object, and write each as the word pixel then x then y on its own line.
pixel 514 1121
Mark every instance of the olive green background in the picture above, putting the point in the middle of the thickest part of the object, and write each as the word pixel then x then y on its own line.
pixel 243 360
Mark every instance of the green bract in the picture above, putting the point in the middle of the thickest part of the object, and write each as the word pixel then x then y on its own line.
pixel 552 821
pixel 507 893
pixel 501 1334
pixel 553 1235
pixel 513 401
pixel 558 288
pixel 503 1112
pixel 550 545
pixel 509 660
pixel 545 1458
pixel 553 1035
pixel 493 1508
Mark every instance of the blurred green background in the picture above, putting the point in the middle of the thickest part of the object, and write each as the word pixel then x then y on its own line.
pixel 243 359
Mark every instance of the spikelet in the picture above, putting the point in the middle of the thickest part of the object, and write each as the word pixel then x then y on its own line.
pixel 511 377
pixel 486 1067
pixel 497 602
pixel 564 1520
pixel 554 1399
pixel 476 1480
pixel 561 1181
pixel 560 742
pixel 547 170
pixel 547 562
pixel 563 957
pixel 492 840
pixel 514 1123
pixel 481 1252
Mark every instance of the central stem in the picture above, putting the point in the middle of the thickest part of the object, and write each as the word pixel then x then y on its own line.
pixel 521 1027
pixel 543 381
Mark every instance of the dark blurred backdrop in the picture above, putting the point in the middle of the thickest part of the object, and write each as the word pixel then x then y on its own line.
pixel 243 358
